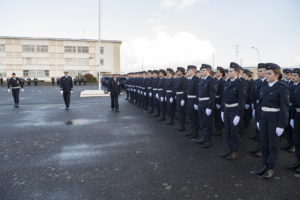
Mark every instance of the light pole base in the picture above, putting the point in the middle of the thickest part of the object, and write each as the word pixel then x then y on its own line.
pixel 94 93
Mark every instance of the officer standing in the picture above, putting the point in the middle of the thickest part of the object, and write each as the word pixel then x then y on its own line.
pixel 161 95
pixel 52 81
pixel 170 95
pixel 14 84
pixel 192 112
pixel 1 80
pixel 217 111
pixel 28 81
pixel 232 110
pixel 66 88
pixel 35 81
pixel 295 119
pixel 207 90
pixel 114 89
pixel 273 118
pixel 180 85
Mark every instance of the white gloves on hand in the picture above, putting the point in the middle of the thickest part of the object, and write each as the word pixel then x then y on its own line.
pixel 279 131
pixel 257 125
pixel 292 123
pixel 22 90
pixel 253 113
pixel 161 99
pixel 61 92
pixel 195 106
pixel 236 120
pixel 171 100
pixel 72 91
pixel 218 106
pixel 157 96
pixel 182 102
pixel 145 94
pixel 8 90
pixel 165 98
pixel 247 106
pixel 222 116
pixel 208 111
pixel 150 94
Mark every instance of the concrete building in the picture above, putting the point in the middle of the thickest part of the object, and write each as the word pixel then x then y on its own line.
pixel 49 57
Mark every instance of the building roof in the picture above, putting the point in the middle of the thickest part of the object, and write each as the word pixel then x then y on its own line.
pixel 59 39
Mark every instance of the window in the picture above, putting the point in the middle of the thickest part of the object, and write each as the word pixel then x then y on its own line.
pixel 71 61
pixel 101 50
pixel 42 48
pixel 1 61
pixel 70 49
pixel 41 61
pixel 82 49
pixel 28 61
pixel 102 62
pixel 28 48
pixel 83 61
pixel 2 48
pixel 36 73
pixel 42 73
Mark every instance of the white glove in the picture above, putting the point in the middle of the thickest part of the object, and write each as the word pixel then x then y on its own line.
pixel 279 131
pixel 236 120
pixel 208 111
pixel 292 123
pixel 195 106
pixel 171 100
pixel 157 96
pixel 22 90
pixel 182 102
pixel 61 92
pixel 218 106
pixel 145 93
pixel 165 98
pixel 175 97
pixel 161 99
pixel 134 90
pixel 72 91
pixel 139 91
pixel 8 90
pixel 222 116
pixel 253 113
pixel 247 106
pixel 150 94
pixel 257 125
pixel 252 106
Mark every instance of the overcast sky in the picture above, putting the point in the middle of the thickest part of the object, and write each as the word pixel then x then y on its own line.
pixel 168 33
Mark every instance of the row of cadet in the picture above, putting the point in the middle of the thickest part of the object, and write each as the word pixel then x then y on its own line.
pixel 227 99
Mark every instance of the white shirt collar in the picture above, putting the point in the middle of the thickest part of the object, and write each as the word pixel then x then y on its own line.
pixel 233 79
pixel 263 79
pixel 205 77
pixel 296 83
pixel 271 84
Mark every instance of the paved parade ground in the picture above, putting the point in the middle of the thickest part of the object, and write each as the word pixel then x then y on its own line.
pixel 92 153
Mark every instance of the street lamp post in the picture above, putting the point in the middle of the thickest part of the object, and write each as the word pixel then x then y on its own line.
pixel 258 54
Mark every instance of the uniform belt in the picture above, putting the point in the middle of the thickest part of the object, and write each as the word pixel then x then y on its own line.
pixel 154 89
pixel 217 97
pixel 257 101
pixel 203 98
pixel 169 91
pixel 149 88
pixel 179 92
pixel 266 109
pixel 143 88
pixel 15 87
pixel 159 89
pixel 231 105
pixel 291 104
pixel 297 109
pixel 191 96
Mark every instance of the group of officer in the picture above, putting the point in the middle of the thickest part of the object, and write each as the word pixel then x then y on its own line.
pixel 226 99
pixel 16 84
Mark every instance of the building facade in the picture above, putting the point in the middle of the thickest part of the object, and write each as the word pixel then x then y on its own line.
pixel 45 58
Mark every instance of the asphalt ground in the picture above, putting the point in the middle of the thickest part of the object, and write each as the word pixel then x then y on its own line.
pixel 92 153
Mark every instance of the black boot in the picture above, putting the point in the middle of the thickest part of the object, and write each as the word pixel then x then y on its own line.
pixel 294 165
pixel 200 140
pixel 269 173
pixel 207 143
pixel 226 153
pixel 232 156
pixel 260 171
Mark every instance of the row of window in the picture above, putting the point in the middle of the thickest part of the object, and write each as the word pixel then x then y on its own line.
pixel 36 73
pixel 44 49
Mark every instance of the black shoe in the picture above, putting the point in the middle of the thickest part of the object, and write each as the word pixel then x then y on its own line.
pixel 206 144
pixel 297 170
pixel 260 171
pixel 67 108
pixel 232 156
pixel 269 173
pixel 189 134
pixel 199 140
pixel 117 110
pixel 226 153
pixel 112 109
pixel 16 106
pixel 291 149
pixel 258 154
pixel 294 165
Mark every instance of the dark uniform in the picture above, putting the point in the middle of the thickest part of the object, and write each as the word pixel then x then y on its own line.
pixel 273 118
pixel 1 81
pixel 150 93
pixel 192 114
pixel 66 86
pixel 170 97
pixel 15 84
pixel 179 88
pixel 207 90
pixel 219 124
pixel 233 107
pixel 114 88
pixel 28 81
pixel 53 81
pixel 35 80
pixel 161 88
pixel 295 122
